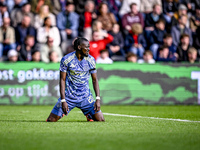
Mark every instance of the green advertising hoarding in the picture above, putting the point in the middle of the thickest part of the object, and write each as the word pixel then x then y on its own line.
pixel 26 83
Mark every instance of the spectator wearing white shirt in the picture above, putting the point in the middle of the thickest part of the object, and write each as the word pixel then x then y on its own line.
pixel 104 57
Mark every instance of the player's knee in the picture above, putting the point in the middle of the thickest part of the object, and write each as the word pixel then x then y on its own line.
pixel 50 119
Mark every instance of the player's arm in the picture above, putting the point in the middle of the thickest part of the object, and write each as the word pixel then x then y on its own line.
pixel 96 89
pixel 62 91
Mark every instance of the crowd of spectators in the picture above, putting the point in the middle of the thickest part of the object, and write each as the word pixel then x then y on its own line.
pixel 138 31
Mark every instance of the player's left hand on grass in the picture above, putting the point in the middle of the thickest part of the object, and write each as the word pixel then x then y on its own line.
pixel 65 108
pixel 97 105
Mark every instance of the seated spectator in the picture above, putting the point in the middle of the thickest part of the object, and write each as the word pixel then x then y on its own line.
pixel 79 5
pixel 192 55
pixel 25 53
pixel 12 55
pixel 97 27
pixel 125 8
pixel 86 19
pixel 167 41
pixel 37 4
pixel 96 45
pixel 169 8
pixel 131 18
pixel 135 41
pixel 165 56
pixel 182 10
pixel 17 16
pixel 156 36
pixel 147 58
pixel 35 55
pixel 7 37
pixel 47 30
pixel 17 6
pixel 183 48
pixel 53 57
pixel 106 18
pixel 131 57
pixel 56 4
pixel 152 18
pixel 67 23
pixel 43 13
pixel 115 48
pixel 195 20
pixel 48 47
pixel 197 41
pixel 146 6
pixel 23 29
pixel 179 29
pixel 3 13
pixel 104 57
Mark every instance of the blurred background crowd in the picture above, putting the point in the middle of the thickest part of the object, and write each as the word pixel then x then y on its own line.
pixel 139 31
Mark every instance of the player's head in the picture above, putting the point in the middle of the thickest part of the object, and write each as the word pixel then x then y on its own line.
pixel 82 45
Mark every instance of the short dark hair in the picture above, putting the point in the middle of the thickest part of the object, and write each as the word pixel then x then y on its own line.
pixel 160 21
pixel 162 47
pixel 104 50
pixel 184 35
pixel 78 41
pixel 132 5
pixel 167 35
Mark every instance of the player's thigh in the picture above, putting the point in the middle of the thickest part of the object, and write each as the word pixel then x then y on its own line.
pixel 99 116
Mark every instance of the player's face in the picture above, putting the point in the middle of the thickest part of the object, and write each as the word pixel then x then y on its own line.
pixel 85 48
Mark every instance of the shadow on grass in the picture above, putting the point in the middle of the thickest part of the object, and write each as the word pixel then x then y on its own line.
pixel 41 121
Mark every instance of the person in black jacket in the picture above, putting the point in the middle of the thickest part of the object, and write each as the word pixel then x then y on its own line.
pixel 25 53
pixel 156 37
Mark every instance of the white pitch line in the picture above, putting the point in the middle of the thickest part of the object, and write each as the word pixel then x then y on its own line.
pixel 130 116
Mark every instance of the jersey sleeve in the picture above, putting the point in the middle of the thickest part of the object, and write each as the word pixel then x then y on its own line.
pixel 63 65
pixel 92 64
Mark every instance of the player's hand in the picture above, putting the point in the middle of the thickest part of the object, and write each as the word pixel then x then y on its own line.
pixel 97 106
pixel 65 107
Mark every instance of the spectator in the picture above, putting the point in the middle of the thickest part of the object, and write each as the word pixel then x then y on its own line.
pixel 17 16
pixel 97 27
pixel 49 47
pixel 147 58
pixel 3 13
pixel 56 4
pixel 156 36
pixel 35 55
pixel 25 53
pixel 167 41
pixel 48 31
pixel 192 55
pixel 23 29
pixel 125 8
pixel 179 29
pixel 53 57
pixel 104 57
pixel 197 41
pixel 12 55
pixel 165 56
pixel 68 22
pixel 151 19
pixel 17 7
pixel 86 19
pixel 169 8
pixel 37 4
pixel 107 19
pixel 182 10
pixel 96 45
pixel 115 48
pixel 146 6
pixel 183 48
pixel 131 57
pixel 131 18
pixel 195 20
pixel 135 41
pixel 43 13
pixel 7 37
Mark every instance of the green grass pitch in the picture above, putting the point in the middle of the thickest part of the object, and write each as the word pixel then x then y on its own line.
pixel 24 128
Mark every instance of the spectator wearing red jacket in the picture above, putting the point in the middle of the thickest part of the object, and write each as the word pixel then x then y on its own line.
pixel 97 45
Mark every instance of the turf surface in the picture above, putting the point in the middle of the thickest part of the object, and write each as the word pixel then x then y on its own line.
pixel 24 128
